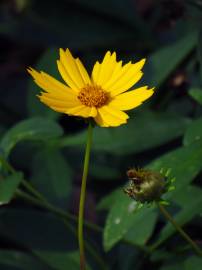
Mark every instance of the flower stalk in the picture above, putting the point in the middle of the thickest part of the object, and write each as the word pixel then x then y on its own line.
pixel 82 197
pixel 195 247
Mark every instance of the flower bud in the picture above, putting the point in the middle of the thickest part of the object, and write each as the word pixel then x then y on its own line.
pixel 145 185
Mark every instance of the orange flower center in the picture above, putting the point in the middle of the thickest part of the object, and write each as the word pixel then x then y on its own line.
pixel 93 96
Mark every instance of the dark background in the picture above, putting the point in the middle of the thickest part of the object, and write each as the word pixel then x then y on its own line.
pixel 168 34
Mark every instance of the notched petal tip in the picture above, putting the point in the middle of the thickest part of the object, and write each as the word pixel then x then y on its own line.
pixel 114 55
pixel 30 70
pixel 143 60
pixel 61 50
pixel 68 51
pixel 108 53
pixel 150 90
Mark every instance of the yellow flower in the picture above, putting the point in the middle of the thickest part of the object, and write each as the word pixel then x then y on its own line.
pixel 102 96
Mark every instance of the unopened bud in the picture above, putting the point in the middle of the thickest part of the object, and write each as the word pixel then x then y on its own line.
pixel 145 185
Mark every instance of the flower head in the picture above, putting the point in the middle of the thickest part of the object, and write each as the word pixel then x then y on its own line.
pixel 103 96
pixel 147 186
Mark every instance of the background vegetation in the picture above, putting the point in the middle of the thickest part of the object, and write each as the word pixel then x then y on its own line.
pixel 46 149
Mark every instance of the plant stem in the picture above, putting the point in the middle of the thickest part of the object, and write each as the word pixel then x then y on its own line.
pixel 42 202
pixel 57 211
pixel 60 213
pixel 82 197
pixel 195 247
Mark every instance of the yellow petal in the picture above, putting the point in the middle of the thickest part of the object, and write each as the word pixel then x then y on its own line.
pixel 103 72
pixel 131 99
pixel 118 73
pixel 71 68
pixel 126 78
pixel 61 96
pixel 106 69
pixel 100 121
pixel 126 85
pixel 82 111
pixel 54 106
pixel 96 72
pixel 115 73
pixel 64 74
pixel 111 116
pixel 50 101
pixel 48 83
pixel 83 72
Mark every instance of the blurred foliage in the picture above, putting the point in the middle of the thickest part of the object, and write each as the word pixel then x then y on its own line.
pixel 46 149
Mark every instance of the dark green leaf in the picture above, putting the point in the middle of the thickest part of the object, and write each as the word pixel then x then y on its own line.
pixel 143 132
pixel 61 260
pixel 193 263
pixel 196 94
pixel 52 176
pixel 173 266
pixel 190 263
pixel 184 162
pixel 191 206
pixel 44 235
pixel 21 261
pixel 199 49
pixel 164 61
pixel 142 228
pixel 32 129
pixel 123 216
pixel 8 187
pixel 193 132
pixel 106 202
pixel 103 172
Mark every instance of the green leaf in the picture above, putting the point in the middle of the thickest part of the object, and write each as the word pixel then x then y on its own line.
pixel 8 187
pixel 164 61
pixel 52 176
pixel 103 172
pixel 32 129
pixel 160 255
pixel 173 266
pixel 42 234
pixel 61 260
pixel 20 260
pixel 106 202
pixel 122 216
pixel 184 162
pixel 193 132
pixel 196 94
pixel 193 263
pixel 141 133
pixel 199 50
pixel 142 228
pixel 191 206
pixel 47 63
pixel 175 263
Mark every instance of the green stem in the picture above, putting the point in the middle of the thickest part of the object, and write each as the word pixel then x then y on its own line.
pixel 25 183
pixel 82 197
pixel 195 247
pixel 64 216
pixel 33 191
pixel 57 211
pixel 89 248
pixel 42 202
